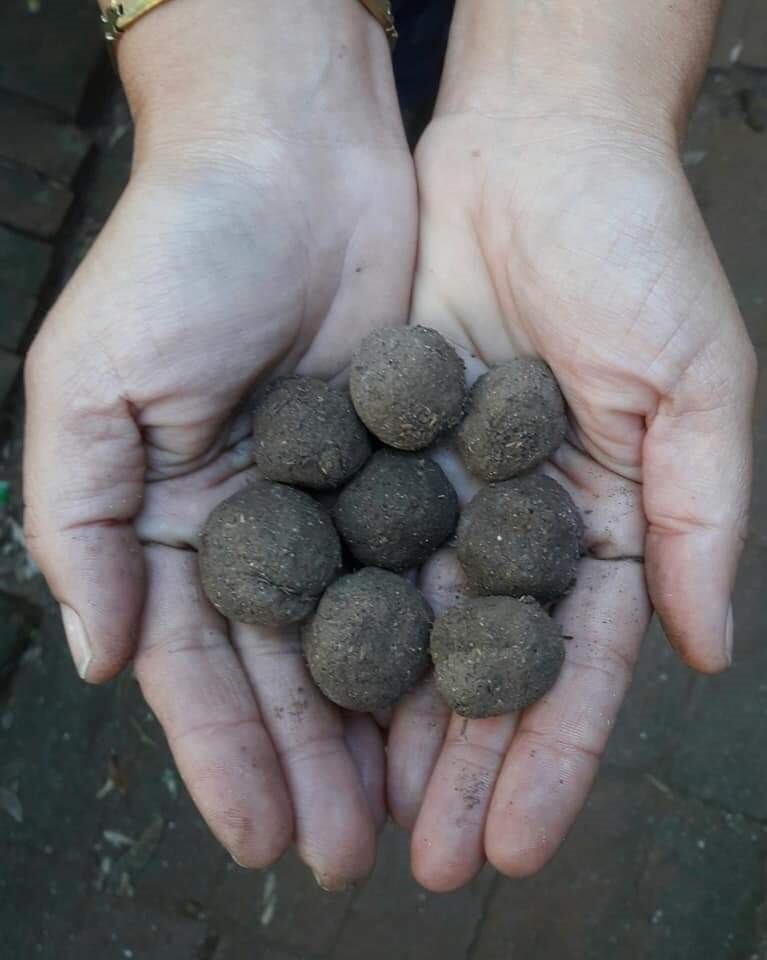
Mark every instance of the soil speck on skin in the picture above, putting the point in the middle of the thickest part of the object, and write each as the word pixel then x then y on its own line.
pixel 472 785
pixel 298 705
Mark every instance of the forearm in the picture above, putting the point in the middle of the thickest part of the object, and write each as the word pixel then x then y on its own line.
pixel 252 66
pixel 612 56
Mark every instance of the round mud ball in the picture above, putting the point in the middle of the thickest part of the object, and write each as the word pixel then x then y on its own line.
pixel 307 433
pixel 368 641
pixel 408 386
pixel 494 655
pixel 266 555
pixel 521 538
pixel 397 511
pixel 516 419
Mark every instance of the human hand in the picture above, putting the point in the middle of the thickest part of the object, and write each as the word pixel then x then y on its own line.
pixel 268 224
pixel 556 221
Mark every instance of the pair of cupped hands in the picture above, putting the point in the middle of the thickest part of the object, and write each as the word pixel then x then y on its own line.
pixel 274 216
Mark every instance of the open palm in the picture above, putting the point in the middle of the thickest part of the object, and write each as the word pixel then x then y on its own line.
pixel 582 244
pixel 219 268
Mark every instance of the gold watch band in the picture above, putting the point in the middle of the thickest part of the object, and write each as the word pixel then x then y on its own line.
pixel 118 15
pixel 382 11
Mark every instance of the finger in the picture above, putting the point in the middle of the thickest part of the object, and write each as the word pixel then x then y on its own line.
pixel 335 833
pixel 697 480
pixel 415 738
pixel 363 740
pixel 421 718
pixel 555 753
pixel 83 482
pixel 196 686
pixel 383 717
pixel 448 838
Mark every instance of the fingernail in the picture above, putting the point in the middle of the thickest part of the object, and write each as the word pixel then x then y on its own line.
pixel 77 638
pixel 328 888
pixel 729 635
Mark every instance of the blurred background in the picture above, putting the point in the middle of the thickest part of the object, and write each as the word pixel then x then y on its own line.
pixel 101 851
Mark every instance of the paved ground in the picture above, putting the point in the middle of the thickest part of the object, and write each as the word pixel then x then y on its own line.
pixel 100 848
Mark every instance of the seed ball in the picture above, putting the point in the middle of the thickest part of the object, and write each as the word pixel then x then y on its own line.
pixel 494 655
pixel 516 419
pixel 408 386
pixel 397 511
pixel 521 538
pixel 266 555
pixel 368 641
pixel 307 433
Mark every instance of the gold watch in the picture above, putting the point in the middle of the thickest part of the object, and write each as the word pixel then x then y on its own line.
pixel 382 11
pixel 118 15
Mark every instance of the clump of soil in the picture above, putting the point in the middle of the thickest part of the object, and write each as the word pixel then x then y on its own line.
pixel 397 511
pixel 516 419
pixel 266 555
pixel 408 386
pixel 367 643
pixel 494 655
pixel 271 554
pixel 521 538
pixel 307 433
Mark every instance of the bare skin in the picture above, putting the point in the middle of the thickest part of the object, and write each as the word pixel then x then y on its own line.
pixel 268 225
pixel 556 221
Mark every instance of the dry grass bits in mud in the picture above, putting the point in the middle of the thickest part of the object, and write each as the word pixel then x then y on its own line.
pixel 494 655
pixel 516 418
pixel 397 512
pixel 408 386
pixel 266 555
pixel 521 538
pixel 272 555
pixel 368 641
pixel 307 433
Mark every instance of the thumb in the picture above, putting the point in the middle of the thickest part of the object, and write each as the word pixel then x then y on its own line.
pixel 83 482
pixel 697 478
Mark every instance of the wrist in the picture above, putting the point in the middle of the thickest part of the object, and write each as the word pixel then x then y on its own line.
pixel 200 70
pixel 615 60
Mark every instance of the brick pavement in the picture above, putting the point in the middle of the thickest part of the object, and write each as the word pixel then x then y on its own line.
pixel 100 848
